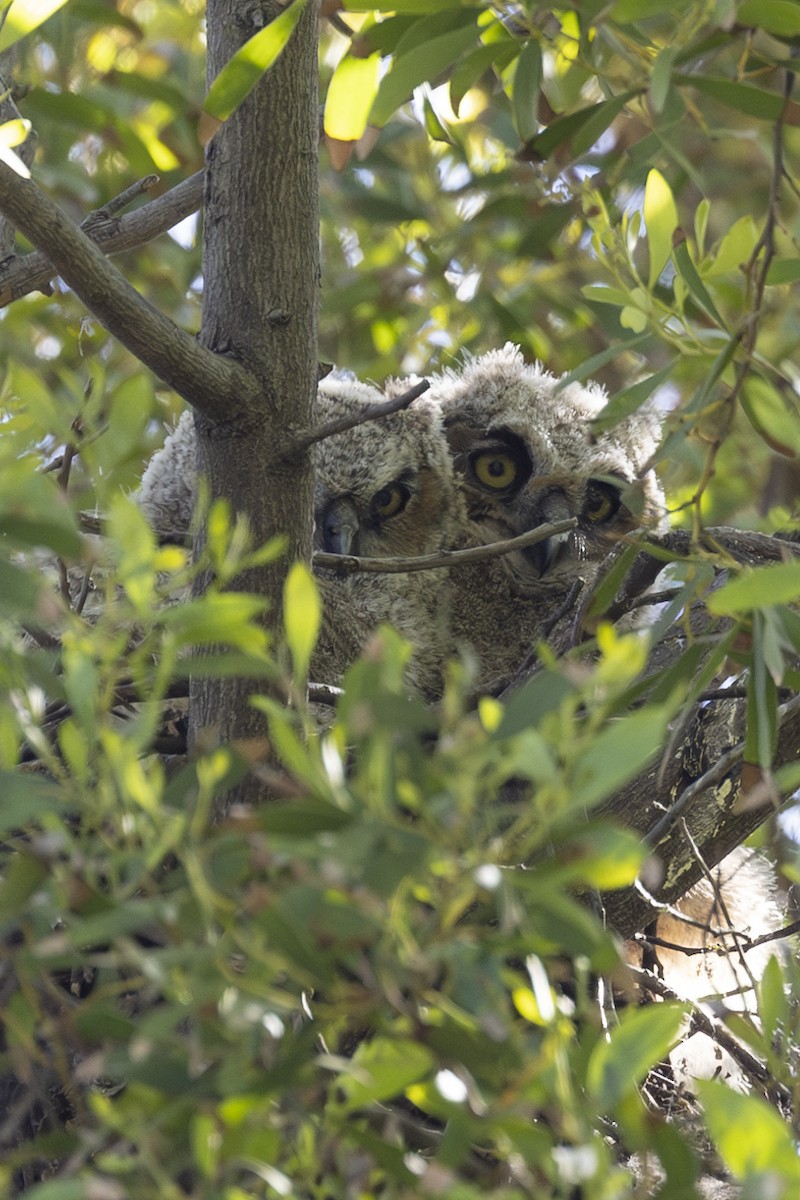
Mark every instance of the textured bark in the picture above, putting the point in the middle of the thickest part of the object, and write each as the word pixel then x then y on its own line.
pixel 261 275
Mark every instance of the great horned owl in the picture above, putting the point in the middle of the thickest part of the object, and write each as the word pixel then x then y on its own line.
pixel 526 455
pixel 383 488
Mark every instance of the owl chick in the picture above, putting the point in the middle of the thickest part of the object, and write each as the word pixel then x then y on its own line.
pixel 526 455
pixel 383 488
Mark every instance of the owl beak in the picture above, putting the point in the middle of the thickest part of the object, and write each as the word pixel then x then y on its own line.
pixel 337 529
pixel 545 506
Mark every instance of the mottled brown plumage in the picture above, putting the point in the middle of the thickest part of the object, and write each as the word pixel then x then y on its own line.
pixel 384 488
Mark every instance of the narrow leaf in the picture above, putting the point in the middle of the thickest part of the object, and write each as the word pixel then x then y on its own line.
pixel 302 615
pixel 661 221
pixel 631 399
pixel 690 276
pixel 776 583
pixel 23 17
pixel 525 92
pixel 239 76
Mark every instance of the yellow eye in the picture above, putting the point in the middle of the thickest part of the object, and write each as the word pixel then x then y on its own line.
pixel 495 469
pixel 390 501
pixel 602 502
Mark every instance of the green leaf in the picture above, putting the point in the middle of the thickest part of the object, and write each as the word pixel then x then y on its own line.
pixel 351 93
pixel 744 97
pixel 617 754
pixel 776 583
pixel 697 289
pixel 25 799
pixel 21 594
pixel 749 1134
pixel 773 1001
pixel 661 221
pixel 419 65
pixel 774 418
pixel 239 76
pixel 381 1069
pixel 781 17
pixel 525 90
pixel 761 722
pixel 661 77
pixel 567 130
pixel 23 17
pixel 643 1037
pixel 470 69
pixel 526 707
pixel 302 616
pixel 226 618
pixel 783 270
pixel 22 876
pixel 631 399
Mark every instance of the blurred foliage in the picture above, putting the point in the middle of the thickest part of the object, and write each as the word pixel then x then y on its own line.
pixel 359 991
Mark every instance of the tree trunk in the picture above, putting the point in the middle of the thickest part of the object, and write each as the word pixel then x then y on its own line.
pixel 261 272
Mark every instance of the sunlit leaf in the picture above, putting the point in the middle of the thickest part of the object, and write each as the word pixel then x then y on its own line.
pixel 351 93
pixel 643 1038
pixel 24 16
pixel 776 583
pixel 382 1069
pixel 749 1133
pixel 240 75
pixel 302 615
pixel 661 221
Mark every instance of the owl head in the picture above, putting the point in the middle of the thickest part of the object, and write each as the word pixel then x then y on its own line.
pixel 527 453
pixel 384 488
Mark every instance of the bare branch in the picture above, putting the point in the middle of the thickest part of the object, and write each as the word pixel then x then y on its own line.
pixel 211 383
pixel 348 564
pixel 297 445
pixel 113 234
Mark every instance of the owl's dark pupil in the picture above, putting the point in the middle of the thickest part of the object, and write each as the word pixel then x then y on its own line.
pixel 383 498
pixel 497 468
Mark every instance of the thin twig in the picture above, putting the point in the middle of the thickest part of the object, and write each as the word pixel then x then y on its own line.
pixel 117 203
pixel 350 564
pixel 33 272
pixel 299 443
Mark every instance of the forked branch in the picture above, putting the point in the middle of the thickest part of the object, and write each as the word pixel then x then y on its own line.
pixel 210 383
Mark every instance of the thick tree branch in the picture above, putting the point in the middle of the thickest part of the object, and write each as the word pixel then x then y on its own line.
pixel 208 382
pixel 113 234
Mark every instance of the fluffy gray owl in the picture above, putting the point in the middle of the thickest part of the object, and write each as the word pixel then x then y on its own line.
pixel 526 455
pixel 383 489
